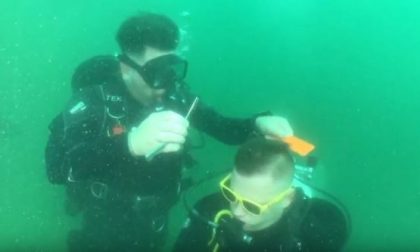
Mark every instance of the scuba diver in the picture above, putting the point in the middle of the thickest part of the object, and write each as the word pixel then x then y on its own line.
pixel 259 208
pixel 120 144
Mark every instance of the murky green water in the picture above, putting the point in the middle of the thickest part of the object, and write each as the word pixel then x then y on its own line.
pixel 346 74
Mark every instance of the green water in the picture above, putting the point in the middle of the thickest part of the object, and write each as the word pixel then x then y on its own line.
pixel 345 73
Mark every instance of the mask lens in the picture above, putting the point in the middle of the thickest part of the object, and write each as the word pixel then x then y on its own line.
pixel 164 71
pixel 169 75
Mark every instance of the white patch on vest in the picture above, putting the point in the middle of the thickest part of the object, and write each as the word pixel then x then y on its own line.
pixel 79 107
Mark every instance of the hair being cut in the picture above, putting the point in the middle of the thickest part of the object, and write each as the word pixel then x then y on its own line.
pixel 261 155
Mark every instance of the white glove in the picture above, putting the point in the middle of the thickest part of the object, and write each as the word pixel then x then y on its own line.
pixel 165 127
pixel 274 126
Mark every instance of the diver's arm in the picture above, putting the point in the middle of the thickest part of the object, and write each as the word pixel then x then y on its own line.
pixel 55 163
pixel 225 129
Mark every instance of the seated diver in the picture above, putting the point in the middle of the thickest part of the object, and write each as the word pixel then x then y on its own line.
pixel 260 208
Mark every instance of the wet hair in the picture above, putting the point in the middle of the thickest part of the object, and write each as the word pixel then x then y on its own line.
pixel 147 29
pixel 260 155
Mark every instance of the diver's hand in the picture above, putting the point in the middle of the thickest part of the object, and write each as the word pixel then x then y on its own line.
pixel 165 127
pixel 274 126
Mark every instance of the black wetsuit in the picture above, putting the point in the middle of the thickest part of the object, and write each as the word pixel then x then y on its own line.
pixel 307 225
pixel 124 199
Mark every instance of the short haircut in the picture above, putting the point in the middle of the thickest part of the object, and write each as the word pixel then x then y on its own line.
pixel 147 29
pixel 260 155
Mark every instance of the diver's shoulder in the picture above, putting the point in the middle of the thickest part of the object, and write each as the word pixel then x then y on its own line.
pixel 97 70
pixel 314 205
pixel 325 216
pixel 97 63
pixel 323 207
pixel 325 225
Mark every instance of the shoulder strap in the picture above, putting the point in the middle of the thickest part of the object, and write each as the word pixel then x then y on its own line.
pixel 115 109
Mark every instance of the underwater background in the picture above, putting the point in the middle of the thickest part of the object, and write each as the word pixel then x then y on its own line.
pixel 345 73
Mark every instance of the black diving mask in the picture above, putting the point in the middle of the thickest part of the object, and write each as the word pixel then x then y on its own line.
pixel 162 72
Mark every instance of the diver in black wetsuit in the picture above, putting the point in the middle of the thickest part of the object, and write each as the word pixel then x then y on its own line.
pixel 258 209
pixel 120 143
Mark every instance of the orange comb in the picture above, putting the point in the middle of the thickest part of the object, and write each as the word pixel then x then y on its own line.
pixel 298 145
